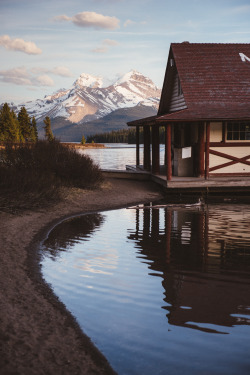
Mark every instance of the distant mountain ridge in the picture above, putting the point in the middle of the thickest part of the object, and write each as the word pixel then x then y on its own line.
pixel 88 100
pixel 81 108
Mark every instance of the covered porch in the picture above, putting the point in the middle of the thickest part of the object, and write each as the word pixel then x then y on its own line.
pixel 186 148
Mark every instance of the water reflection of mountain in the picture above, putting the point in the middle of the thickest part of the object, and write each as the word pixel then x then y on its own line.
pixel 65 235
pixel 203 257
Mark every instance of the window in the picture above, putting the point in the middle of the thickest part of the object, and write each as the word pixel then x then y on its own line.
pixel 238 131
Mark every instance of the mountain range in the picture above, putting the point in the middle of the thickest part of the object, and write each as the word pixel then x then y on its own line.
pixel 89 107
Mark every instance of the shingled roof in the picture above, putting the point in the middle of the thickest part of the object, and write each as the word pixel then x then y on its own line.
pixel 215 80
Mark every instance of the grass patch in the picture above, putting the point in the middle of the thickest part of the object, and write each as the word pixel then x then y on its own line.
pixel 33 175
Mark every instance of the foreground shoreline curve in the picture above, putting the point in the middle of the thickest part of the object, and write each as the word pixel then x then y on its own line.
pixel 37 333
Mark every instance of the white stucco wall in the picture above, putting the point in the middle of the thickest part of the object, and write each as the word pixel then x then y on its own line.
pixel 238 152
pixel 216 132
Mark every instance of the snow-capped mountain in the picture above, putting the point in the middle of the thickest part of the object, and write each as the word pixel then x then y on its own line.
pixel 87 99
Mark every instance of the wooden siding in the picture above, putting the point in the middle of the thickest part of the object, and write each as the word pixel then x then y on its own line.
pixel 177 102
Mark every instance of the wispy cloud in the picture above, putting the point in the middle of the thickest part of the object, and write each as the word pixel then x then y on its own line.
pixel 62 71
pixel 241 9
pixel 110 42
pixel 18 44
pixel 104 48
pixel 128 23
pixel 91 19
pixel 20 76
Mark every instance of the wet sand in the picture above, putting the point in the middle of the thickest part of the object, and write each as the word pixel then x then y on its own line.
pixel 37 333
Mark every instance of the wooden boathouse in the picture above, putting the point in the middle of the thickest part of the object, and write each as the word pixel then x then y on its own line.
pixel 205 110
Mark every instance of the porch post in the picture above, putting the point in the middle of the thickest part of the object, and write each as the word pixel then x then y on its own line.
pixel 155 149
pixel 168 152
pixel 201 145
pixel 146 161
pixel 207 150
pixel 137 146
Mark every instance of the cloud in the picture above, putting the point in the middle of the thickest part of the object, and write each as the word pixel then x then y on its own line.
pixel 62 71
pixel 104 48
pixel 43 80
pixel 20 76
pixel 19 45
pixel 110 42
pixel 100 50
pixel 241 9
pixel 91 19
pixel 128 22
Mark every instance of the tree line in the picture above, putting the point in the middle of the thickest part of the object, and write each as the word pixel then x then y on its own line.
pixel 122 136
pixel 20 127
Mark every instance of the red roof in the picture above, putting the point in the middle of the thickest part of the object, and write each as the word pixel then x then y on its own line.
pixel 215 80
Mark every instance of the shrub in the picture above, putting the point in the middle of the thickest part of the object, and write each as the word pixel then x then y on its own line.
pixel 41 169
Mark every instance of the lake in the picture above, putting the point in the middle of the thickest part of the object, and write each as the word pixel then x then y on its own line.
pixel 117 155
pixel 160 289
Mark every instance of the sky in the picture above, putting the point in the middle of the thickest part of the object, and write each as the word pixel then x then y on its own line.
pixel 46 44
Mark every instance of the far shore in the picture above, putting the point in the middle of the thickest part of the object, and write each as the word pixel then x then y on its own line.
pixel 85 145
pixel 37 333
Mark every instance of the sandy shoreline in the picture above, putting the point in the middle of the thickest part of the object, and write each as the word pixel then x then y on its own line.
pixel 37 334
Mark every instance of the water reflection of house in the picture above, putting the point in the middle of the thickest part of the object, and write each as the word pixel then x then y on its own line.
pixel 205 109
pixel 203 279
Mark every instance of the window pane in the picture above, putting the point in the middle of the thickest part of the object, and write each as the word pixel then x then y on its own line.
pixel 242 135
pixel 242 126
pixel 247 136
pixel 236 126
pixel 229 136
pixel 235 136
pixel 229 127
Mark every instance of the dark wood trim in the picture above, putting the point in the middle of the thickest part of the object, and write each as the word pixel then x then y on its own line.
pixel 207 150
pixel 230 174
pixel 229 144
pixel 155 150
pixel 137 146
pixel 168 152
pixel 146 159
pixel 223 131
pixel 201 146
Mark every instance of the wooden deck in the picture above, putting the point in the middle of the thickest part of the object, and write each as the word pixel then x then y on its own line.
pixel 221 187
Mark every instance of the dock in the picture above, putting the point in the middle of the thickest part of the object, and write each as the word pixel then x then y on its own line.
pixel 221 187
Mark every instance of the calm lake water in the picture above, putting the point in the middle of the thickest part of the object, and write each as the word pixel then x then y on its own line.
pixel 159 290
pixel 117 155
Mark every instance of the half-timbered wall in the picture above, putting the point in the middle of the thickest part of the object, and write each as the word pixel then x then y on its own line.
pixel 237 152
pixel 216 132
pixel 177 101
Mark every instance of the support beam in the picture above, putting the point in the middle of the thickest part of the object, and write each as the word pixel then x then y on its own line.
pixel 168 152
pixel 137 146
pixel 155 149
pixel 207 150
pixel 201 146
pixel 146 159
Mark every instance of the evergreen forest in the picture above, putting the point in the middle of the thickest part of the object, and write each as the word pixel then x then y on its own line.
pixel 17 128
pixel 122 136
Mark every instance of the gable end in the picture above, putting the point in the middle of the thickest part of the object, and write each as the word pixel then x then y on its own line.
pixel 177 101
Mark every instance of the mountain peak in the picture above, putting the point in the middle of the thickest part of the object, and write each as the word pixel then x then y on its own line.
pixel 131 75
pixel 87 80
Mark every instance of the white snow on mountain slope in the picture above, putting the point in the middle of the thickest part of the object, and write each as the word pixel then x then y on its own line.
pixel 87 99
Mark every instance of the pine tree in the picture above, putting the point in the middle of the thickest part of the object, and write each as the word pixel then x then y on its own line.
pixel 25 124
pixel 83 141
pixel 34 134
pixel 9 126
pixel 48 132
